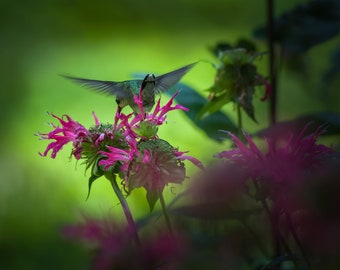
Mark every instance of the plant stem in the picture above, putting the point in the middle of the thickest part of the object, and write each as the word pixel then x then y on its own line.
pixel 278 239
pixel 256 238
pixel 239 120
pixel 165 212
pixel 272 61
pixel 112 178
pixel 296 238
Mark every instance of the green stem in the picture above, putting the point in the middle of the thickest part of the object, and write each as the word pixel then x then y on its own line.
pixel 239 120
pixel 127 212
pixel 165 212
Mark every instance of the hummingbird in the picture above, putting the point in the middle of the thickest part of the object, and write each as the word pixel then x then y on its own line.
pixel 125 90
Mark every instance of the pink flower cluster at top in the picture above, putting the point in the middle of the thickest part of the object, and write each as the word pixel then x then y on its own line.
pixel 72 131
pixel 105 146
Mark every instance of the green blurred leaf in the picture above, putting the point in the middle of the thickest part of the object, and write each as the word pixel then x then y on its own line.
pixel 212 123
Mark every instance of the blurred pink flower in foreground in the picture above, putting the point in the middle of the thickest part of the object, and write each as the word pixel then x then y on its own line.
pixel 115 248
pixel 286 163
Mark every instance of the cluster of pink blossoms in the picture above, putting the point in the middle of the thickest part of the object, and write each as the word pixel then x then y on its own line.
pixel 289 160
pixel 114 249
pixel 129 147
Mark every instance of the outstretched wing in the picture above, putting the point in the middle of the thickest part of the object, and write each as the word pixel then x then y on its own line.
pixel 165 81
pixel 119 89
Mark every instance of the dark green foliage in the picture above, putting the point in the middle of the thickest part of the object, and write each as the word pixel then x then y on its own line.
pixel 305 26
pixel 235 81
pixel 211 124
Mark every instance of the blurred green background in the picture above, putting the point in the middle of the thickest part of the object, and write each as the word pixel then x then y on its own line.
pixel 107 40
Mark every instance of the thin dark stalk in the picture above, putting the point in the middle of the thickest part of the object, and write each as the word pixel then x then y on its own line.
pixel 272 62
pixel 165 212
pixel 297 239
pixel 239 120
pixel 125 206
pixel 278 239
pixel 273 221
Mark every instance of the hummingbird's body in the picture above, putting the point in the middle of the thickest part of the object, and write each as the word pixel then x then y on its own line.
pixel 125 91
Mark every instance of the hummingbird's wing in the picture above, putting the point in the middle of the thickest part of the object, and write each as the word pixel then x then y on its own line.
pixel 105 87
pixel 165 81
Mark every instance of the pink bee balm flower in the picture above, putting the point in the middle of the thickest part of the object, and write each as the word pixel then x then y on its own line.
pixel 145 124
pixel 284 160
pixel 160 112
pixel 114 155
pixel 285 166
pixel 151 164
pixel 123 147
pixel 193 160
pixel 158 115
pixel 70 131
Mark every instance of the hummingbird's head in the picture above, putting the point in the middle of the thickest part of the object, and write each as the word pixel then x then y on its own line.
pixel 149 79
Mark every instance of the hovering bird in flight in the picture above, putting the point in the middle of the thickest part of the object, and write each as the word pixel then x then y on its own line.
pixel 125 90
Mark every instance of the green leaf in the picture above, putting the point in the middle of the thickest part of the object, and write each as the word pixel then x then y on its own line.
pixel 245 100
pixel 214 105
pixel 211 124
pixel 91 180
pixel 151 197
pixel 96 172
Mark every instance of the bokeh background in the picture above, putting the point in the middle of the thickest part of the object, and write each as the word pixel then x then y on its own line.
pixel 109 40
